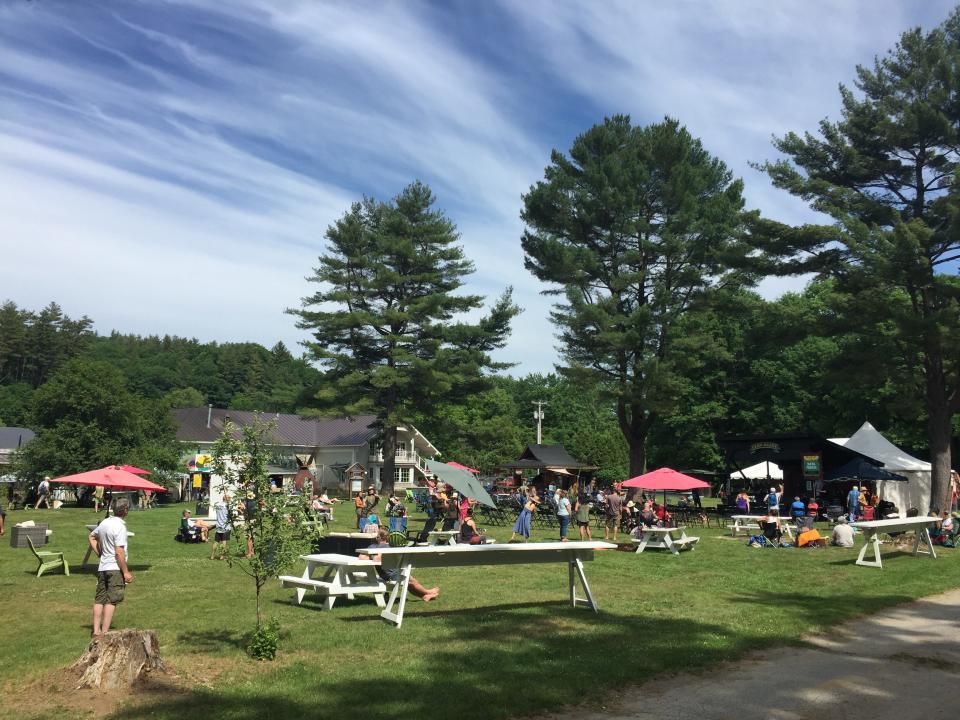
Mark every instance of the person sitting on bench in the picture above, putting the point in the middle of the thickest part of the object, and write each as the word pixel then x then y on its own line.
pixel 393 574
pixel 469 534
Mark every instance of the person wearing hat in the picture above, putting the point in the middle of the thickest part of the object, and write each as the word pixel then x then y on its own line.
pixel 842 534
pixel 773 501
pixel 853 503
pixel 43 493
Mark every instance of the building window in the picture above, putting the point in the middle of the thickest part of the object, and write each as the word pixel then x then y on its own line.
pixel 401 475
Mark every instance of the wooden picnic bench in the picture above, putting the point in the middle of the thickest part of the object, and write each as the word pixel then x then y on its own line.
pixel 405 559
pixel 344 576
pixel 872 529
pixel 673 539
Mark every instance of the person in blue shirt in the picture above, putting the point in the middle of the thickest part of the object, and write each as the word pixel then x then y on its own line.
pixel 773 501
pixel 853 503
pixel 798 509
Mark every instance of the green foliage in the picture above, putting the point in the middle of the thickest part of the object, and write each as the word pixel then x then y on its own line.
pixel 634 228
pixel 886 172
pixel 15 404
pixel 384 325
pixel 274 522
pixel 34 345
pixel 85 417
pixel 266 640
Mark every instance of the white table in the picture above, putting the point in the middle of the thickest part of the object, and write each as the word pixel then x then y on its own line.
pixel 673 539
pixel 344 575
pixel 438 537
pixel 872 530
pixel 407 558
pixel 752 522
pixel 91 528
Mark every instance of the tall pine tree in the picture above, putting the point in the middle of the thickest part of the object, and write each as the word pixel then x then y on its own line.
pixel 636 227
pixel 384 321
pixel 887 172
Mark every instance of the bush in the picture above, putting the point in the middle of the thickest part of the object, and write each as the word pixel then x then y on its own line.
pixel 266 639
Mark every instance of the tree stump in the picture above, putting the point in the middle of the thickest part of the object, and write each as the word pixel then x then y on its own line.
pixel 119 659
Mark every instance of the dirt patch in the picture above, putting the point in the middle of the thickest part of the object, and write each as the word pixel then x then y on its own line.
pixel 55 695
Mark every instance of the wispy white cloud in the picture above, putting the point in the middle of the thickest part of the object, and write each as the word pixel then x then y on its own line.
pixel 194 152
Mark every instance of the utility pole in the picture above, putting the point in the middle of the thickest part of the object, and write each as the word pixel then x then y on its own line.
pixel 538 416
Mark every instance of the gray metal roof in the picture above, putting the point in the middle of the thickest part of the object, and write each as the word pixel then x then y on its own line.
pixel 13 437
pixel 290 429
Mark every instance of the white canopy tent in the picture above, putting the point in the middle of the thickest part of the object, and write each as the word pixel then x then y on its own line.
pixel 913 493
pixel 760 471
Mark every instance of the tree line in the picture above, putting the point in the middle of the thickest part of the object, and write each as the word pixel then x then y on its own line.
pixel 644 238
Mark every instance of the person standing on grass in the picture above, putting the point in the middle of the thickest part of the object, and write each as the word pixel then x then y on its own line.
pixel 853 503
pixel 222 536
pixel 358 507
pixel 613 511
pixel 525 518
pixel 773 501
pixel 97 498
pixel 43 493
pixel 109 541
pixel 582 509
pixel 563 513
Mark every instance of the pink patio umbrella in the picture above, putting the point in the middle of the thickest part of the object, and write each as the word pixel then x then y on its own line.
pixel 135 470
pixel 665 479
pixel 111 477
pixel 457 465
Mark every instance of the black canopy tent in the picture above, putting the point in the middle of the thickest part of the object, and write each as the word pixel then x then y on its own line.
pixel 860 469
pixel 788 450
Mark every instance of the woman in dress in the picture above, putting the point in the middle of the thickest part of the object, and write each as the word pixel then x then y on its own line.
pixel 524 519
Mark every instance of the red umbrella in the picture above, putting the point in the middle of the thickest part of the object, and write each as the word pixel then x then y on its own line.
pixel 111 477
pixel 135 470
pixel 463 467
pixel 665 479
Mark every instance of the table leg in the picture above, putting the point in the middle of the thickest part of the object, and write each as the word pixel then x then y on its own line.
pixel 924 537
pixel 399 593
pixel 576 565
pixel 87 556
pixel 873 539
pixel 670 545
pixel 644 539
pixel 736 527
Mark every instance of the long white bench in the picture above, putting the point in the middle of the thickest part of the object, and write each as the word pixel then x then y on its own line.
pixel 405 559
pixel 872 529
pixel 344 576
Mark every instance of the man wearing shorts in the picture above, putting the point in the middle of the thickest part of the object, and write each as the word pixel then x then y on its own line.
pixel 109 542
pixel 222 536
pixel 613 511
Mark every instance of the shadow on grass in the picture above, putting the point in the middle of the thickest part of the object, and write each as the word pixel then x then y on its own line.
pixel 213 640
pixel 91 569
pixel 497 661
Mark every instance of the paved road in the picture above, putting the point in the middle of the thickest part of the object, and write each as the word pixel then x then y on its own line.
pixel 902 664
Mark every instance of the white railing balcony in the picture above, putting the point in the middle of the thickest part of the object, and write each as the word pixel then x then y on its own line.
pixel 404 457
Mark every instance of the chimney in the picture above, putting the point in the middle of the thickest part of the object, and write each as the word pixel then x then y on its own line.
pixel 209 413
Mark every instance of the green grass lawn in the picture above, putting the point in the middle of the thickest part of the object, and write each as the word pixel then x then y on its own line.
pixel 500 641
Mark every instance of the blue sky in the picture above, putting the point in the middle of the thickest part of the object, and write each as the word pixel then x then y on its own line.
pixel 171 166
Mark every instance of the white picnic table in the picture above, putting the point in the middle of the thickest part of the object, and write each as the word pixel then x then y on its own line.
pixel 673 539
pixel 407 558
pixel 343 575
pixel 91 528
pixel 872 529
pixel 437 537
pixel 752 522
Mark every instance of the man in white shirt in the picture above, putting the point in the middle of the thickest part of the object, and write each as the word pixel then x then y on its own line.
pixel 109 541
pixel 842 534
